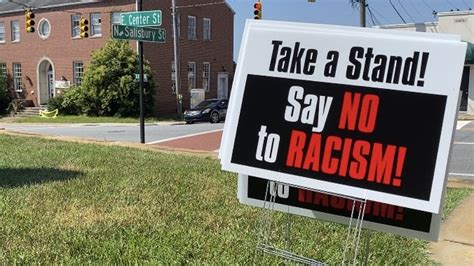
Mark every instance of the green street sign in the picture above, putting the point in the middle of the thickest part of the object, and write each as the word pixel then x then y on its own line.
pixel 142 18
pixel 144 34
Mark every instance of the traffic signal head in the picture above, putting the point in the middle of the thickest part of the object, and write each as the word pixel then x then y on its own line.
pixel 84 28
pixel 29 21
pixel 257 10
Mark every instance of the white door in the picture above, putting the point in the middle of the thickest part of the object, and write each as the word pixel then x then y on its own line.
pixel 223 85
pixel 50 82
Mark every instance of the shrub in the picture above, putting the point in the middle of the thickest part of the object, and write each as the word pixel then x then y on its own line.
pixel 6 96
pixel 109 88
pixel 68 103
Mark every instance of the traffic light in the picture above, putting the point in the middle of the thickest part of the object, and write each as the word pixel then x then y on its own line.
pixel 257 10
pixel 29 21
pixel 84 28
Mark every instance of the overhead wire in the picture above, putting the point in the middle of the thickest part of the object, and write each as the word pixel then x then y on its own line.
pixel 434 10
pixel 416 9
pixel 449 2
pixel 379 14
pixel 404 9
pixel 394 8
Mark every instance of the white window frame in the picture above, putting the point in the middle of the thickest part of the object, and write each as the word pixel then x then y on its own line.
pixel 75 27
pixel 2 32
pixel 15 26
pixel 192 28
pixel 115 18
pixel 17 77
pixel 191 75
pixel 206 76
pixel 173 74
pixel 96 25
pixel 78 72
pixel 206 29
pixel 40 31
pixel 3 69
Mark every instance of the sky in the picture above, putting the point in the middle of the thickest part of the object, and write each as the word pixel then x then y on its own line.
pixel 340 12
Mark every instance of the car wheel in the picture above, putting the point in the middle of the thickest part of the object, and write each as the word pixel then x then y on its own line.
pixel 215 117
pixel 189 122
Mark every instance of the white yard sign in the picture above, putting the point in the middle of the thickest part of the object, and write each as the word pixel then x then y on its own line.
pixel 366 113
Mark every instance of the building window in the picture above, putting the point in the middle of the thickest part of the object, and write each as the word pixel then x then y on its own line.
pixel 44 29
pixel 191 75
pixel 206 76
pixel 96 25
pixel 3 73
pixel 173 75
pixel 15 25
pixel 3 69
pixel 2 31
pixel 191 28
pixel 75 27
pixel 178 26
pixel 78 69
pixel 116 18
pixel 206 34
pixel 17 82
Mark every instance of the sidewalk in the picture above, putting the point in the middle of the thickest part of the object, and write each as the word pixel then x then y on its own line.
pixel 456 241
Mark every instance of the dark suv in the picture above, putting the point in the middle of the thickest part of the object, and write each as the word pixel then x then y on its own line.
pixel 212 110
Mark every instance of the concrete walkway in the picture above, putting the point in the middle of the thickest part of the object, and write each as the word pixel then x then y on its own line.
pixel 456 241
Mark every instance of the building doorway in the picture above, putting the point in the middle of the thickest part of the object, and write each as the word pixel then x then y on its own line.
pixel 45 81
pixel 222 85
pixel 464 89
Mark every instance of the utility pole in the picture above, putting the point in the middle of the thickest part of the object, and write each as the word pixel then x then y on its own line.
pixel 140 58
pixel 362 12
pixel 176 63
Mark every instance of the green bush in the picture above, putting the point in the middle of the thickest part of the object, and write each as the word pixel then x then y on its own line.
pixel 56 103
pixel 109 88
pixel 6 96
pixel 68 103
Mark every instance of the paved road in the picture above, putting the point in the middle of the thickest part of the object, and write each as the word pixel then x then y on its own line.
pixel 206 137
pixel 462 161
pixel 116 132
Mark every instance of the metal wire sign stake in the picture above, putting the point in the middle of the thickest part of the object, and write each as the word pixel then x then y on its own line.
pixel 266 229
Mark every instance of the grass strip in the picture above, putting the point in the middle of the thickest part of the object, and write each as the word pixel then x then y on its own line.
pixel 72 203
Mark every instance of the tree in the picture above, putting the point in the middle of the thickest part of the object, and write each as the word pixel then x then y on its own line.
pixel 6 95
pixel 109 86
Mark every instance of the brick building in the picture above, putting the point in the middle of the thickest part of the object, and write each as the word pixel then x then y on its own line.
pixel 55 56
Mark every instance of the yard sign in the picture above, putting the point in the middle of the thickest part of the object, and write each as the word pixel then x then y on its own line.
pixel 378 216
pixel 363 113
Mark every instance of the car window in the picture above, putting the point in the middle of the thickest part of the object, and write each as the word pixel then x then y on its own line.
pixel 223 104
pixel 206 104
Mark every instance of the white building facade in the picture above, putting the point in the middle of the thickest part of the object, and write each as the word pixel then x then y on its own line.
pixel 455 22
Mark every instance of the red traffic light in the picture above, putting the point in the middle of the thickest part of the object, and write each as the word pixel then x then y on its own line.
pixel 257 10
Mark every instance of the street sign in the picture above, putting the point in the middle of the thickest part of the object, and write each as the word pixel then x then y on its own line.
pixel 144 34
pixel 140 19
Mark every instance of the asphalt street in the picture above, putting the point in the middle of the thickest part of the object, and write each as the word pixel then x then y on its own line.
pixel 117 132
pixel 461 165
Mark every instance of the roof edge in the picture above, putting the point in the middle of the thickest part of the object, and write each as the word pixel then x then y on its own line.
pixel 84 2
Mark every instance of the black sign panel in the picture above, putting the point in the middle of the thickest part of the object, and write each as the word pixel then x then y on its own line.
pixel 317 201
pixel 377 139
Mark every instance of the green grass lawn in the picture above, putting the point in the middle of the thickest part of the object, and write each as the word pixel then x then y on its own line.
pixel 71 203
pixel 88 119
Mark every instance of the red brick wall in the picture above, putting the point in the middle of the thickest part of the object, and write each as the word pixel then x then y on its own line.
pixel 218 51
pixel 62 49
pixel 59 47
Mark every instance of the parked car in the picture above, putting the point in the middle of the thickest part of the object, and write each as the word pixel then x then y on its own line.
pixel 212 110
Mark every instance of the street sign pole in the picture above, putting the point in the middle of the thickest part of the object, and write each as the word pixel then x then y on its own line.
pixel 140 55
pixel 176 63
